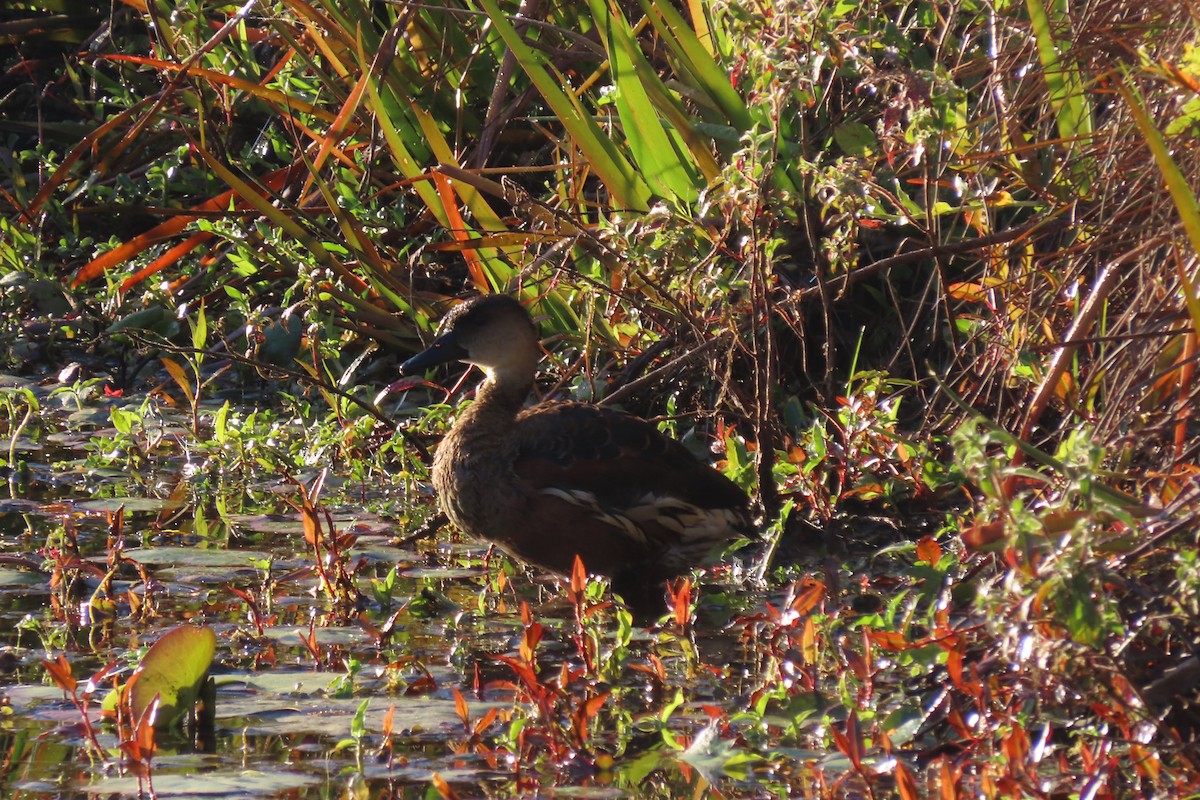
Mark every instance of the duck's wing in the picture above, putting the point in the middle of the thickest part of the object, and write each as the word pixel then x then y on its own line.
pixel 620 492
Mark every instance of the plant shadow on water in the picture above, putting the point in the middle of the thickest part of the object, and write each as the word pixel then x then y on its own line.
pixel 352 659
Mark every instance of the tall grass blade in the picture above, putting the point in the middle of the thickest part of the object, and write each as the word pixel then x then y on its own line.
pixel 628 188
pixel 1181 191
pixel 658 150
pixel 697 67
pixel 1065 85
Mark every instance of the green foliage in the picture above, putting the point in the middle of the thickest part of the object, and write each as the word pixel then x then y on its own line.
pixel 1062 542
pixel 171 675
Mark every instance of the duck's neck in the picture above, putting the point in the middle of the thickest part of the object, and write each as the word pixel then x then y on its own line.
pixel 496 404
pixel 499 397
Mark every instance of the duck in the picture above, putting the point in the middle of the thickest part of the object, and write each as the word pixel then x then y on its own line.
pixel 560 480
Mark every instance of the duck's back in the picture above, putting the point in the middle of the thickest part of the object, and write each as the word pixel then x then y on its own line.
pixel 613 490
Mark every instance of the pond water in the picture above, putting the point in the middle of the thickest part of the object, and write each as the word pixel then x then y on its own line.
pixel 380 663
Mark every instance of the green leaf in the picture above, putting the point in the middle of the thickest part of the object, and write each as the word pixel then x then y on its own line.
pixel 221 422
pixel 715 757
pixel 855 139
pixel 122 420
pixel 1182 194
pixel 200 330
pixel 174 670
pixel 1064 84
pixel 358 725
pixel 155 318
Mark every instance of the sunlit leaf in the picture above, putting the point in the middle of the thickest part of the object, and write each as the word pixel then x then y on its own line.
pixel 172 670
pixel 180 376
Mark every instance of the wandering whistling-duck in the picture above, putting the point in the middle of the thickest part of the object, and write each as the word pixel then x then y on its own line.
pixel 560 480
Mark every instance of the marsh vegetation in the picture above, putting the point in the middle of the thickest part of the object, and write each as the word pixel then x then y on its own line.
pixel 921 278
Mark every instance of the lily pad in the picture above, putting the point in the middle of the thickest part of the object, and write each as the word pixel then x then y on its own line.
pixel 173 670
pixel 300 703
pixel 128 503
pixel 241 783
pixel 193 557
pixel 22 579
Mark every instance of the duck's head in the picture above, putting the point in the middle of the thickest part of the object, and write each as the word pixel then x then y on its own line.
pixel 494 332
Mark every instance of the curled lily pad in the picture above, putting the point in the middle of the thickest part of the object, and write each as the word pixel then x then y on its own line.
pixel 174 669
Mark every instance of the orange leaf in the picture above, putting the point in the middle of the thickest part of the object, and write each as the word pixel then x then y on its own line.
pixel 808 641
pixel 906 784
pixel 181 377
pixel 968 292
pixel 981 535
pixel 88 143
pixel 578 578
pixel 807 600
pixel 529 642
pixel 593 706
pixel 948 781
pixel 1146 762
pixel 681 601
pixel 168 228
pixel 281 100
pixel 442 787
pixel 60 673
pixel 311 520
pixel 890 640
pixel 460 707
pixel 929 551
pixel 387 721
pixel 584 714
pixel 166 259
pixel 459 230
pixel 1016 747
pixel 337 128
pixel 485 722
pixel 954 666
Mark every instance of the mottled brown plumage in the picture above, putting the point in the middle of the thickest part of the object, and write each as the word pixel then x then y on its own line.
pixel 560 480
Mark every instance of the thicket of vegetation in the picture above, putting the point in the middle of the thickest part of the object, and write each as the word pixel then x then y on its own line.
pixel 925 273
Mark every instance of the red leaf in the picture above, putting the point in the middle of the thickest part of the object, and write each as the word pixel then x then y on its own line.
pixel 143 732
pixel 849 741
pixel 906 784
pixel 60 673
pixel 855 739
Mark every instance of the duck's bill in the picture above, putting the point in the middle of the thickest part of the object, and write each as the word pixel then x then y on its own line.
pixel 444 348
